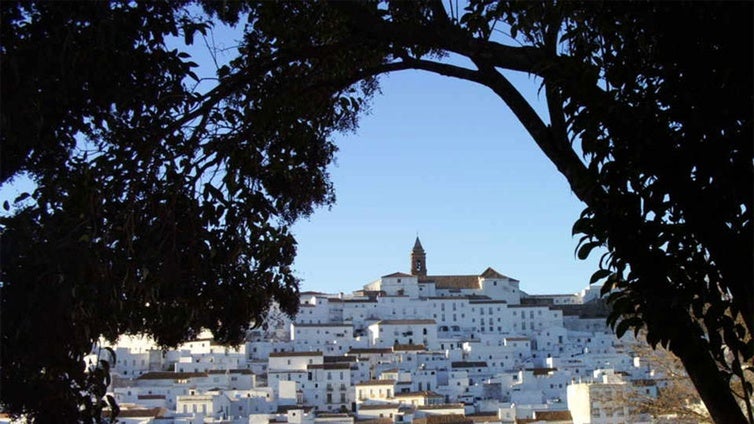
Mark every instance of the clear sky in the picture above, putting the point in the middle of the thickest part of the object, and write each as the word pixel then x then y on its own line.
pixel 447 160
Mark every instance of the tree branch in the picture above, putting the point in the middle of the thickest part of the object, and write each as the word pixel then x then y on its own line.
pixel 438 36
pixel 557 149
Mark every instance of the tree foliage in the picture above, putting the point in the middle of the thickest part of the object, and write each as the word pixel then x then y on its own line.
pixel 158 208
pixel 162 209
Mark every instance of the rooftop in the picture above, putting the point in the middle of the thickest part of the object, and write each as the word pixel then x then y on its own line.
pixel 443 419
pixel 397 274
pixel 376 383
pixel 452 281
pixel 169 375
pixel 364 407
pixel 424 394
pixel 286 354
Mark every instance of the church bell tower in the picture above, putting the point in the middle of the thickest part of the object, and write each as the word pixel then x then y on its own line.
pixel 418 260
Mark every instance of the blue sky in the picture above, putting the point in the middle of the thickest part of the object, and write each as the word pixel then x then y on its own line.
pixel 447 160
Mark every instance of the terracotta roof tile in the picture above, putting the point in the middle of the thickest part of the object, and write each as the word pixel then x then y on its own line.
pixel 138 413
pixel 491 273
pixel 331 366
pixel 453 281
pixel 409 347
pixel 483 417
pixel 553 415
pixel 443 419
pixel 424 394
pixel 369 351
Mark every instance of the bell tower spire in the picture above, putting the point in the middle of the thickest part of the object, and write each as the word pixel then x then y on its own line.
pixel 418 259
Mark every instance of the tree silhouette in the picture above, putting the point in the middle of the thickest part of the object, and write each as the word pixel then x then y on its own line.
pixel 177 200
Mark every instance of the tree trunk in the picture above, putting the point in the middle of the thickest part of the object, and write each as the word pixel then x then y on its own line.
pixel 702 369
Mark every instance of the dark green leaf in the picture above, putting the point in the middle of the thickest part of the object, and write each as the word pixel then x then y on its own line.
pixel 585 249
pixel 599 275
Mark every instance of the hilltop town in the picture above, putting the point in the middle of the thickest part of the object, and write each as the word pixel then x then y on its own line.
pixel 406 348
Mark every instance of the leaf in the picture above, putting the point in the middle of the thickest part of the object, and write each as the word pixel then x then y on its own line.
pixel 581 226
pixel 23 196
pixel 105 366
pixel 113 356
pixel 598 275
pixel 624 325
pixel 114 408
pixel 585 249
pixel 224 71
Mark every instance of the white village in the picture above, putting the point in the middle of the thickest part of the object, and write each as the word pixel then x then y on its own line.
pixel 405 348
